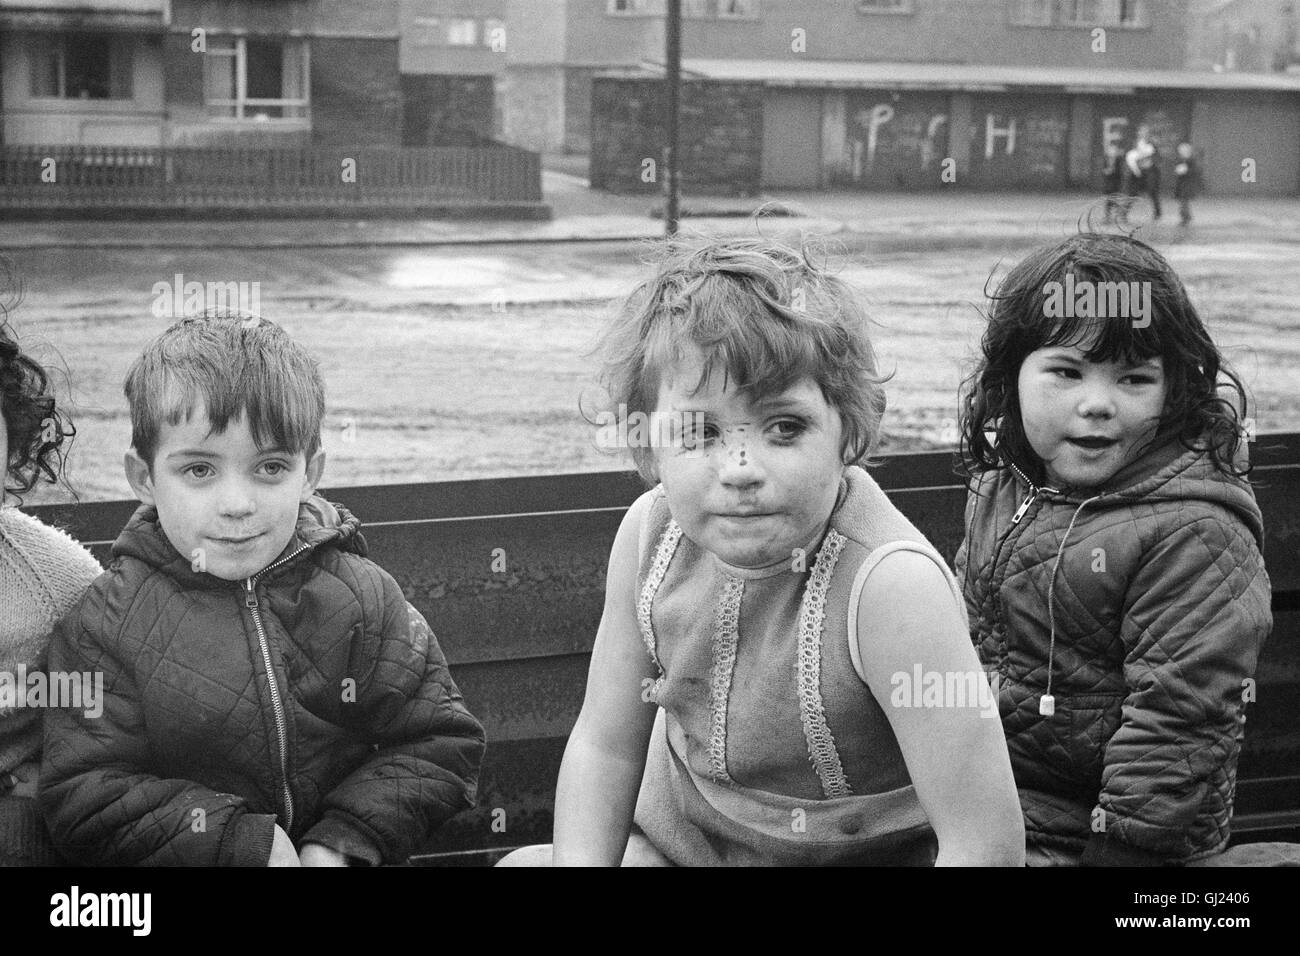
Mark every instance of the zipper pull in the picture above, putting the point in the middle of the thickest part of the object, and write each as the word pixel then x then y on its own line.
pixel 1020 512
pixel 250 595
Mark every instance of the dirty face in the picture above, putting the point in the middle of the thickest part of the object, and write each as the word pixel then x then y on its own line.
pixel 753 478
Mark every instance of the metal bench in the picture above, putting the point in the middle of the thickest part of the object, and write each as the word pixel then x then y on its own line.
pixel 511 573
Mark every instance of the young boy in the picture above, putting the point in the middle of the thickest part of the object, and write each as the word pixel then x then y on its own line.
pixel 1185 183
pixel 266 687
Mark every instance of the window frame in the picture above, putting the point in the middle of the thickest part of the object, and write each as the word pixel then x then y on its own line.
pixel 56 42
pixel 241 101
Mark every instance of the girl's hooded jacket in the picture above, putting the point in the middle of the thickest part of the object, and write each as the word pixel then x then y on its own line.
pixel 1140 609
pixel 310 695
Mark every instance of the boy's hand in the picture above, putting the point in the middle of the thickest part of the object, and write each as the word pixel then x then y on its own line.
pixel 282 852
pixel 316 854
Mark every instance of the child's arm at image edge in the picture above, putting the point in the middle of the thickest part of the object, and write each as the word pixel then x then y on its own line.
pixel 600 775
pixel 100 807
pixel 956 756
pixel 1198 617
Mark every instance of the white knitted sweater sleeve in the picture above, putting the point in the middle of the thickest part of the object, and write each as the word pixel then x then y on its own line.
pixel 43 573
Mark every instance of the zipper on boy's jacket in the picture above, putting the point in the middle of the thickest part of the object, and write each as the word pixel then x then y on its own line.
pixel 277 703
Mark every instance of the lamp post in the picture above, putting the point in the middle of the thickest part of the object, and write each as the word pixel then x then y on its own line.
pixel 673 79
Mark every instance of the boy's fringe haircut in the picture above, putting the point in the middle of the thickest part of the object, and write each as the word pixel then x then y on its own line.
pixel 233 368
pixel 763 314
pixel 1206 401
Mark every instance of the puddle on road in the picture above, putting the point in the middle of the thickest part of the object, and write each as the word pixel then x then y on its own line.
pixel 424 270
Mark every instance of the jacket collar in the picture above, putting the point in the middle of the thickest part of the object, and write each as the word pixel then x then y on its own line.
pixel 1168 471
pixel 320 524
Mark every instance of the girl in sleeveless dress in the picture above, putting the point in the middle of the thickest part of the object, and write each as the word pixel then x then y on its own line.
pixel 783 673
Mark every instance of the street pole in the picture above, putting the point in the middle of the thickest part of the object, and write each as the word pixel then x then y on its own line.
pixel 673 78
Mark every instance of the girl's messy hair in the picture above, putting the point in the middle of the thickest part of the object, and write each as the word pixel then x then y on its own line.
pixel 37 429
pixel 763 314
pixel 1205 403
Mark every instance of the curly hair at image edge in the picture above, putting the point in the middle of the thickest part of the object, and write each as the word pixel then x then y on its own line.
pixel 1206 402
pixel 38 432
pixel 763 314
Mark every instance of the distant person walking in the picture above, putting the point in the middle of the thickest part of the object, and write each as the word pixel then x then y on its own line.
pixel 1186 181
pixel 1142 173
pixel 1112 181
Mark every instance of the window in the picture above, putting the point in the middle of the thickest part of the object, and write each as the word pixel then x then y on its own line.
pixel 457 31
pixel 1125 14
pixel 462 31
pixel 884 6
pixel 1032 13
pixel 256 78
pixel 81 66
pixel 1103 13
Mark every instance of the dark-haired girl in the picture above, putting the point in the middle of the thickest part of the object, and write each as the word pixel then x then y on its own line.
pixel 1112 565
pixel 42 574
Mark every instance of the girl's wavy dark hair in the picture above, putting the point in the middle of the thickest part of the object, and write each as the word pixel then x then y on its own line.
pixel 1205 403
pixel 39 434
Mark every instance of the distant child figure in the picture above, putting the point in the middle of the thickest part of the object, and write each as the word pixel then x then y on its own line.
pixel 1112 563
pixel 1142 173
pixel 270 697
pixel 1186 181
pixel 770 617
pixel 1112 182
pixel 43 574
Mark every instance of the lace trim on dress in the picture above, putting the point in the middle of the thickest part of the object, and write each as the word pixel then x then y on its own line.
pixel 726 634
pixel 812 620
pixel 664 552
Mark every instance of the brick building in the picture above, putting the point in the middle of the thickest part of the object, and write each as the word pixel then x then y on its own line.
pixel 891 94
pixel 200 73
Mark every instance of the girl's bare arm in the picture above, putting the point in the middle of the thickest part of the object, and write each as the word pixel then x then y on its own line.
pixel 956 753
pixel 604 760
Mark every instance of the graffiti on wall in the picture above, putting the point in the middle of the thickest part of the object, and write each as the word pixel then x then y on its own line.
pixel 902 140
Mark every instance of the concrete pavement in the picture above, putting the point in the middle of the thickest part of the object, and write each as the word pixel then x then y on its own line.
pixel 584 215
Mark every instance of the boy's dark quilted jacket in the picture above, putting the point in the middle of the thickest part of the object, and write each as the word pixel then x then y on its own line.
pixel 184 765
pixel 1161 606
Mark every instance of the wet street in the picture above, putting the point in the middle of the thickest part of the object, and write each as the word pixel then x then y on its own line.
pixel 452 361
